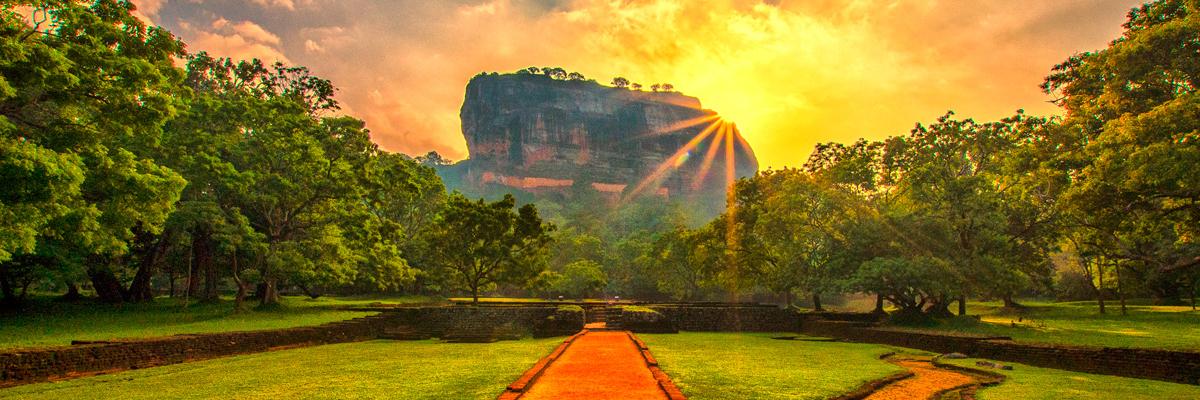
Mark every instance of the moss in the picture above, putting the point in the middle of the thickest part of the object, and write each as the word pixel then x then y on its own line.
pixel 570 309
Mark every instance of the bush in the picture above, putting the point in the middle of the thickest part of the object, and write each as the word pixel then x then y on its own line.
pixel 642 319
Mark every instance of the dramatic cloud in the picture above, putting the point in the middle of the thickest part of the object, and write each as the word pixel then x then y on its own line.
pixel 240 40
pixel 789 73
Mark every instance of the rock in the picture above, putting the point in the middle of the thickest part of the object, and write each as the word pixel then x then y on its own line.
pixel 1006 367
pixel 988 364
pixel 954 356
pixel 546 136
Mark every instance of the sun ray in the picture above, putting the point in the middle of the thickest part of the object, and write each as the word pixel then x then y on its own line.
pixel 730 172
pixel 667 164
pixel 713 146
pixel 684 124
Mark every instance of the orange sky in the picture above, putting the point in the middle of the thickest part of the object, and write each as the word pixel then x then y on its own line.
pixel 789 73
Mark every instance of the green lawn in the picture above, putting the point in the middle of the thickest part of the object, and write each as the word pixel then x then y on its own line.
pixel 367 370
pixel 45 322
pixel 743 366
pixel 1146 326
pixel 1032 383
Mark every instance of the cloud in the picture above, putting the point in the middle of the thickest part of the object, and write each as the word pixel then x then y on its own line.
pixel 147 10
pixel 238 40
pixel 288 4
pixel 790 73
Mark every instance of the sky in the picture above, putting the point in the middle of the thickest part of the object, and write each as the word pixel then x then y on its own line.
pixel 790 73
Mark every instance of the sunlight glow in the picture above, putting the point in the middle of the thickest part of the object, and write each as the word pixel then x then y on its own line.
pixel 670 162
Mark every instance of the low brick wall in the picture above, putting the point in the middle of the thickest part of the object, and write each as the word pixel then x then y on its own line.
pixel 26 366
pixel 729 318
pixel 452 320
pixel 34 365
pixel 1165 365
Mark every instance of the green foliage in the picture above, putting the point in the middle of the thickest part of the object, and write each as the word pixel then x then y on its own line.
pixel 570 309
pixel 84 92
pixel 1129 142
pixel 579 280
pixel 481 244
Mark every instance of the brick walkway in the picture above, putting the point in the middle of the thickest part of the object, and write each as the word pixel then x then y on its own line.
pixel 598 365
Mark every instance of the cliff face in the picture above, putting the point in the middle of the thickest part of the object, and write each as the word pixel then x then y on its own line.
pixel 542 135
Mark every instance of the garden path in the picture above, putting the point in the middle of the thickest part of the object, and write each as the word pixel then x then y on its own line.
pixel 598 365
pixel 927 381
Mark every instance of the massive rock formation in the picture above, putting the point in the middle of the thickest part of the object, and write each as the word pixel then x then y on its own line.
pixel 542 135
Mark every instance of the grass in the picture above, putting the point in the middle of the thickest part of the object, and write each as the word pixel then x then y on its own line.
pixel 1032 383
pixel 45 322
pixel 742 366
pixel 521 300
pixel 366 370
pixel 1080 323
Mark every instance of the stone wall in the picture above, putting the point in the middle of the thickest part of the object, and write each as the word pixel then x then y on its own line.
pixel 1165 365
pixel 460 320
pixel 729 318
pixel 26 366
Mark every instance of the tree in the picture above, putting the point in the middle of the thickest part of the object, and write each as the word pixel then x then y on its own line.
pixel 433 159
pixel 636 86
pixel 575 76
pixel 84 91
pixel 620 83
pixel 667 87
pixel 783 231
pixel 655 87
pixel 481 244
pixel 1129 143
pixel 580 279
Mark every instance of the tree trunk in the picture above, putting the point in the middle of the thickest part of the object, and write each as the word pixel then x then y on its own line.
pixel 878 304
pixel 239 301
pixel 962 305
pixel 1120 292
pixel 270 294
pixel 72 292
pixel 202 260
pixel 1193 294
pixel 1010 302
pixel 1100 288
pixel 816 299
pixel 140 290
pixel 171 280
pixel 108 288
pixel 193 280
pixel 787 299
pixel 940 308
pixel 6 288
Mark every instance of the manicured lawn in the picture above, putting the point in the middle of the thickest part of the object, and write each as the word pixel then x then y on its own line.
pixel 742 366
pixel 45 322
pixel 1146 326
pixel 1032 383
pixel 368 370
pixel 521 300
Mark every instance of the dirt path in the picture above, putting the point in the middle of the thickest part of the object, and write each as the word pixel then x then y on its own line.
pixel 928 380
pixel 598 365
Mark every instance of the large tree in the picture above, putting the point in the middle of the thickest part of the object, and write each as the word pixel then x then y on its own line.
pixel 478 244
pixel 1130 143
pixel 84 92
